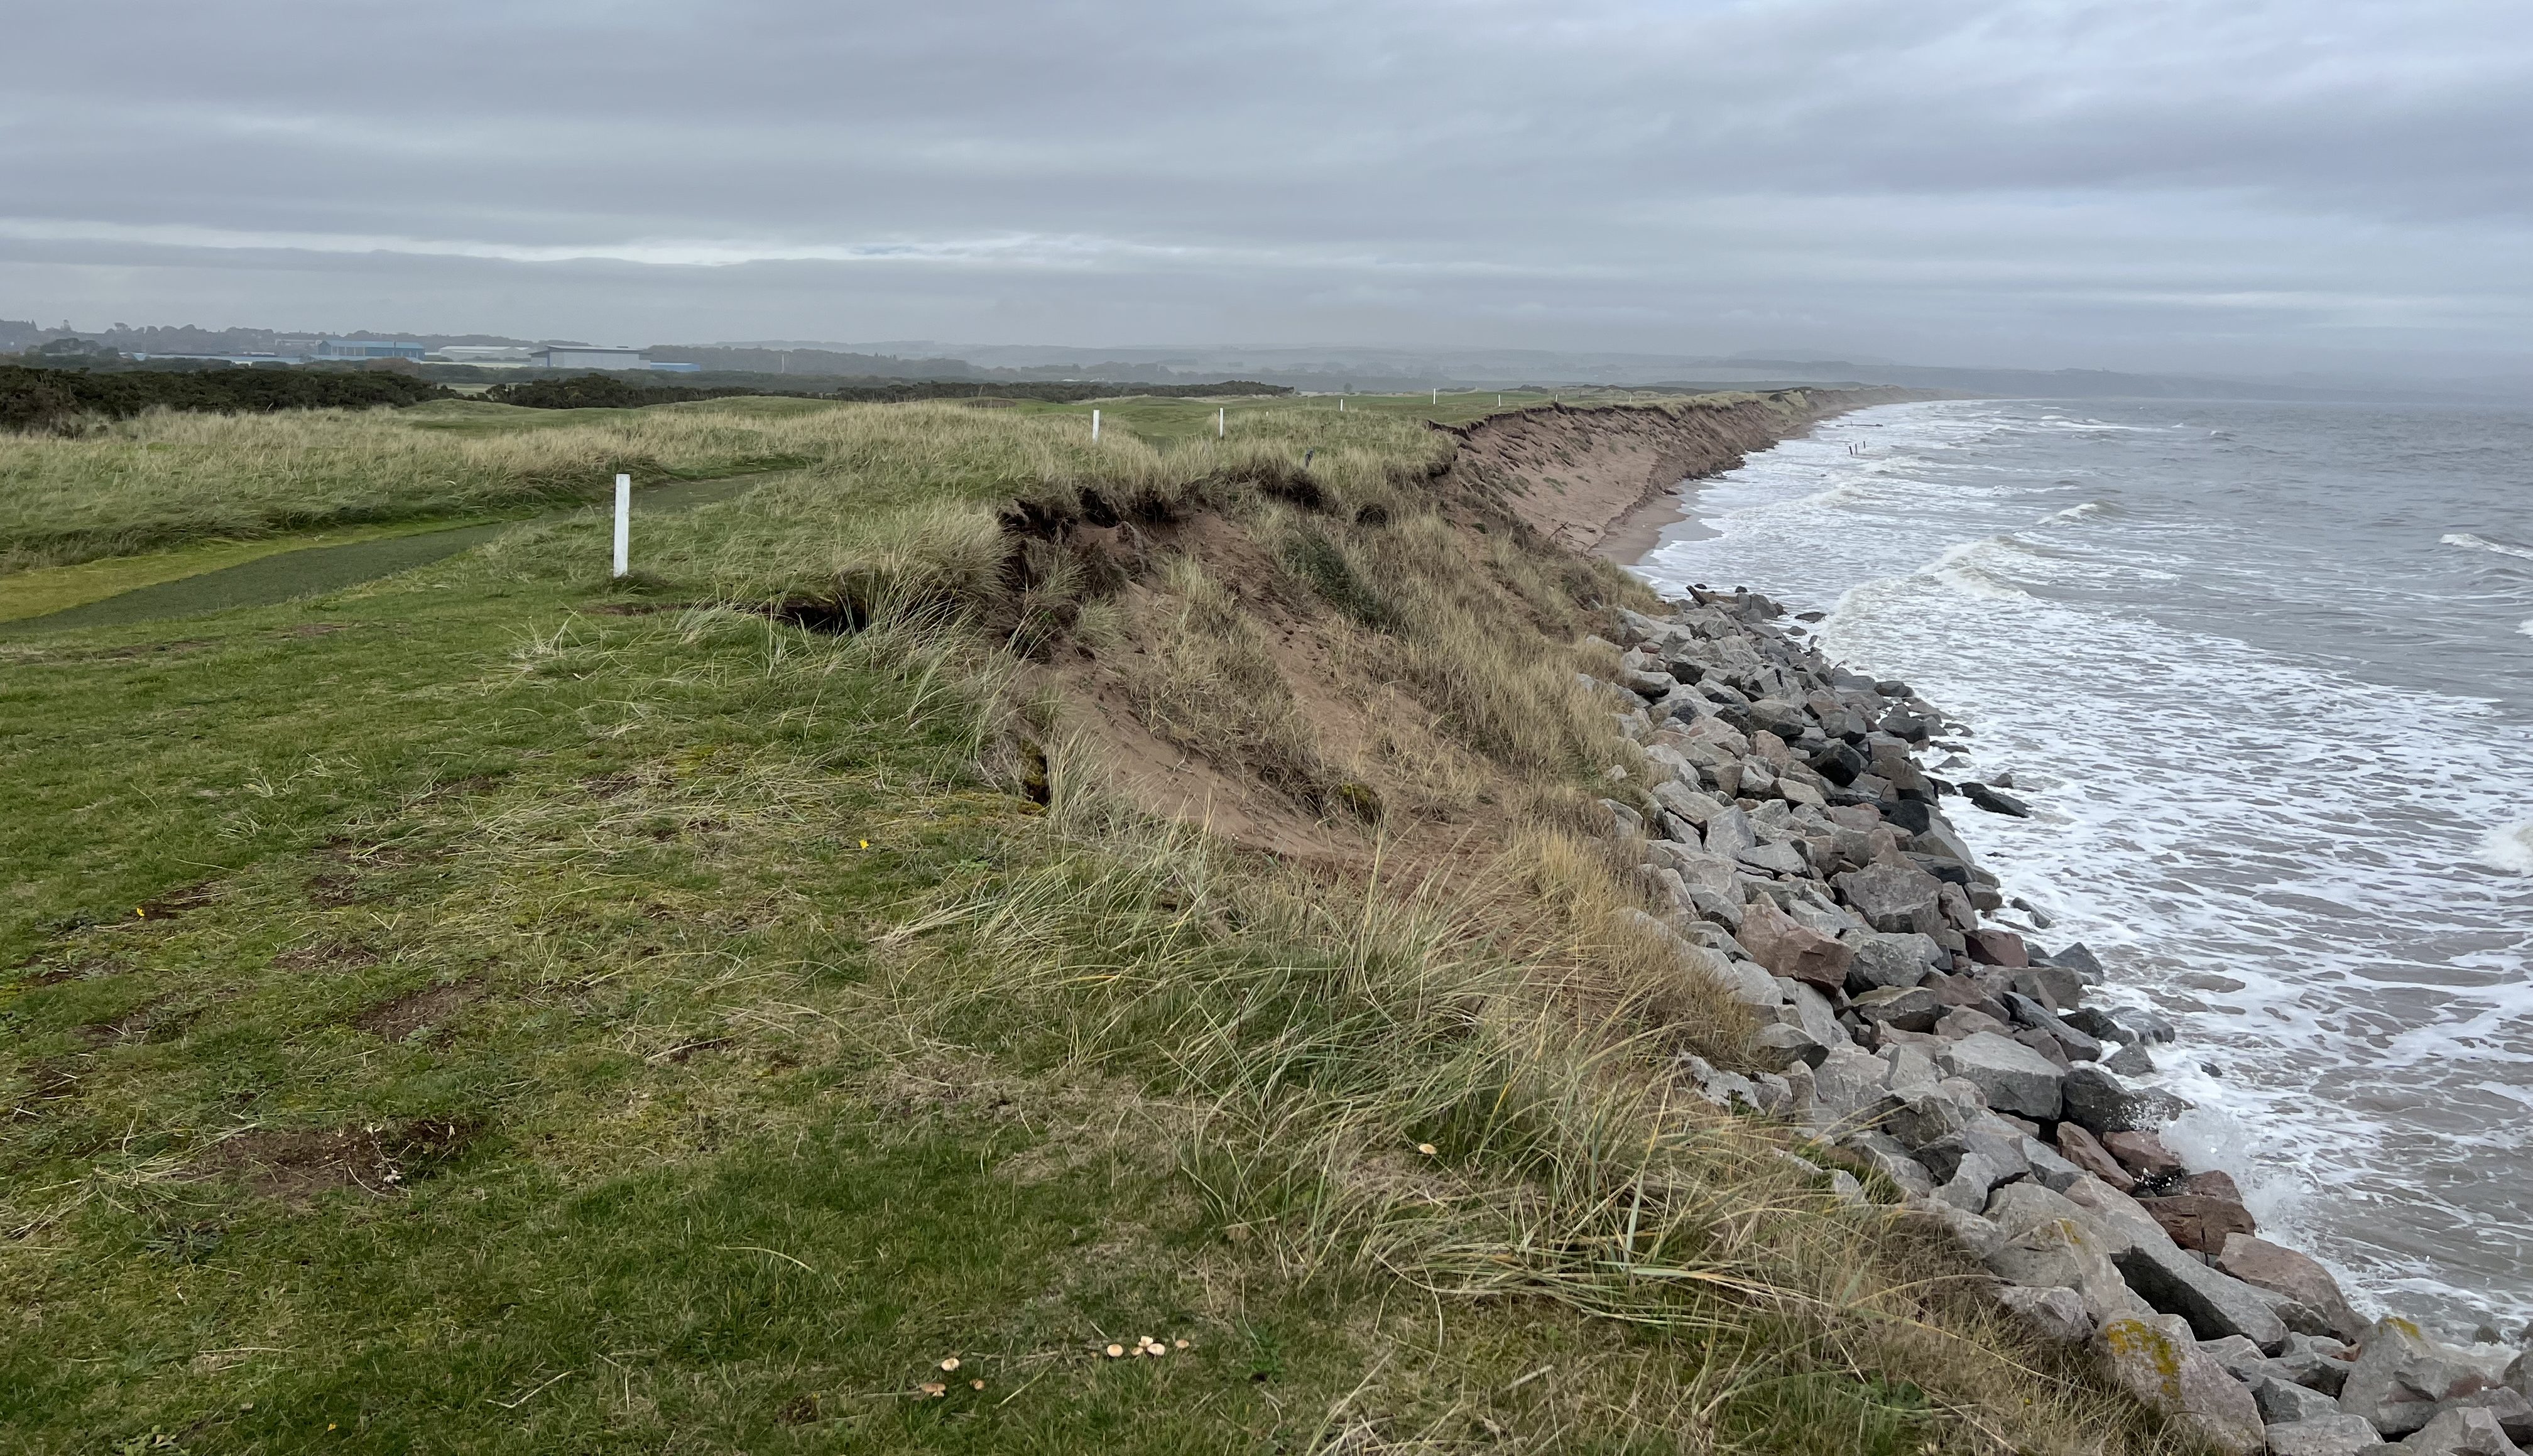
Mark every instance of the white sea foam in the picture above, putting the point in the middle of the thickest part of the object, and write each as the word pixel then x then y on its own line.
pixel 2510 848
pixel 2483 543
pixel 2261 844
pixel 1967 568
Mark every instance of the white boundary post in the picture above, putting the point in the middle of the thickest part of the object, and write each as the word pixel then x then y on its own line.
pixel 624 523
pixel 1094 426
pixel 1221 419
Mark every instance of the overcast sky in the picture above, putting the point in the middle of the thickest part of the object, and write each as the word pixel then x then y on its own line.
pixel 2148 183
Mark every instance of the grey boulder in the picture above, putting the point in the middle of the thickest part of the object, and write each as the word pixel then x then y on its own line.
pixel 2099 1102
pixel 2461 1433
pixel 2052 1172
pixel 2283 1402
pixel 2402 1376
pixel 1728 832
pixel 1999 1148
pixel 1919 1116
pixel 1909 1008
pixel 2328 1435
pixel 1781 859
pixel 1846 1090
pixel 2169 1279
pixel 1883 1153
pixel 2056 1314
pixel 1974 1234
pixel 2308 1360
pixel 1688 803
pixel 1884 960
pixel 2064 1254
pixel 1893 899
pixel 2130 1060
pixel 2029 1013
pixel 2153 1356
pixel 1967 1188
pixel 1749 983
pixel 2011 1076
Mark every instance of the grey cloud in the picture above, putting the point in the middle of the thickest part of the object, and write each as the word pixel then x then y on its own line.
pixel 2062 183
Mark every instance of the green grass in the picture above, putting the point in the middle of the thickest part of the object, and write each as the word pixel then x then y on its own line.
pixel 743 1040
pixel 500 793
pixel 165 480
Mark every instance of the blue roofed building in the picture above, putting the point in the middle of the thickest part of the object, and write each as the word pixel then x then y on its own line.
pixel 367 349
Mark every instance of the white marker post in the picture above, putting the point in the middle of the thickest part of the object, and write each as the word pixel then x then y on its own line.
pixel 1340 404
pixel 1221 422
pixel 1094 426
pixel 624 523
pixel 1437 396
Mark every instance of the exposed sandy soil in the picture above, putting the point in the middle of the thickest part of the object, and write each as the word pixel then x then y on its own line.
pixel 1599 480
pixel 1571 474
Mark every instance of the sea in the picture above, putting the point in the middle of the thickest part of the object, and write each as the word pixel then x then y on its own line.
pixel 2264 674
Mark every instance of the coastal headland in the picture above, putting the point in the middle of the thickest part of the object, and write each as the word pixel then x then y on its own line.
pixel 1242 932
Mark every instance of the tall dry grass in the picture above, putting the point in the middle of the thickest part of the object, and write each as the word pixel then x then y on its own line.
pixel 1387 1081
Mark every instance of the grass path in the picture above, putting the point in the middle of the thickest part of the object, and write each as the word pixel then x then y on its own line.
pixel 260 573
pixel 46 589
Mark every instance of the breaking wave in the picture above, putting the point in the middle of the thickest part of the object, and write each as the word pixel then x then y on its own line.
pixel 2483 543
pixel 2510 848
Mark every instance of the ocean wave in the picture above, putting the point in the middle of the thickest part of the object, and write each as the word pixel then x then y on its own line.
pixel 2510 848
pixel 1959 569
pixel 2286 859
pixel 2077 512
pixel 2483 543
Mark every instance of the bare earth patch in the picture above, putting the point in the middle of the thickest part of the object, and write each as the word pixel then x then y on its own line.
pixel 297 1165
pixel 415 1011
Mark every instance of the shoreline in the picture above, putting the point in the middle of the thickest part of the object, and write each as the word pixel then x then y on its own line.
pixel 1596 478
pixel 1634 536
pixel 1801 861
pixel 1807 867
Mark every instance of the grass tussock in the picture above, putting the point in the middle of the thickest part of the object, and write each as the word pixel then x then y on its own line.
pixel 1386 1082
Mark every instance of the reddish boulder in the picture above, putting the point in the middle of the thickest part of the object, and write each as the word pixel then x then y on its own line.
pixel 1793 949
pixel 1998 948
pixel 2196 1221
pixel 2080 1147
pixel 2212 1185
pixel 2259 1262
pixel 2143 1153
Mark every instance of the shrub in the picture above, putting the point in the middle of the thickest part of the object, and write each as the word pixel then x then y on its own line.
pixel 55 399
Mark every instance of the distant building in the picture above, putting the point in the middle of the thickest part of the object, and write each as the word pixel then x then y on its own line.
pixel 590 355
pixel 367 349
pixel 486 354
pixel 593 356
pixel 228 358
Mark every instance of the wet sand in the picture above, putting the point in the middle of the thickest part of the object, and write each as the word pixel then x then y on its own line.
pixel 1664 516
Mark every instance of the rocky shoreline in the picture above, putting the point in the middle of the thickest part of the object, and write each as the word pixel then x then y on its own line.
pixel 1779 816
